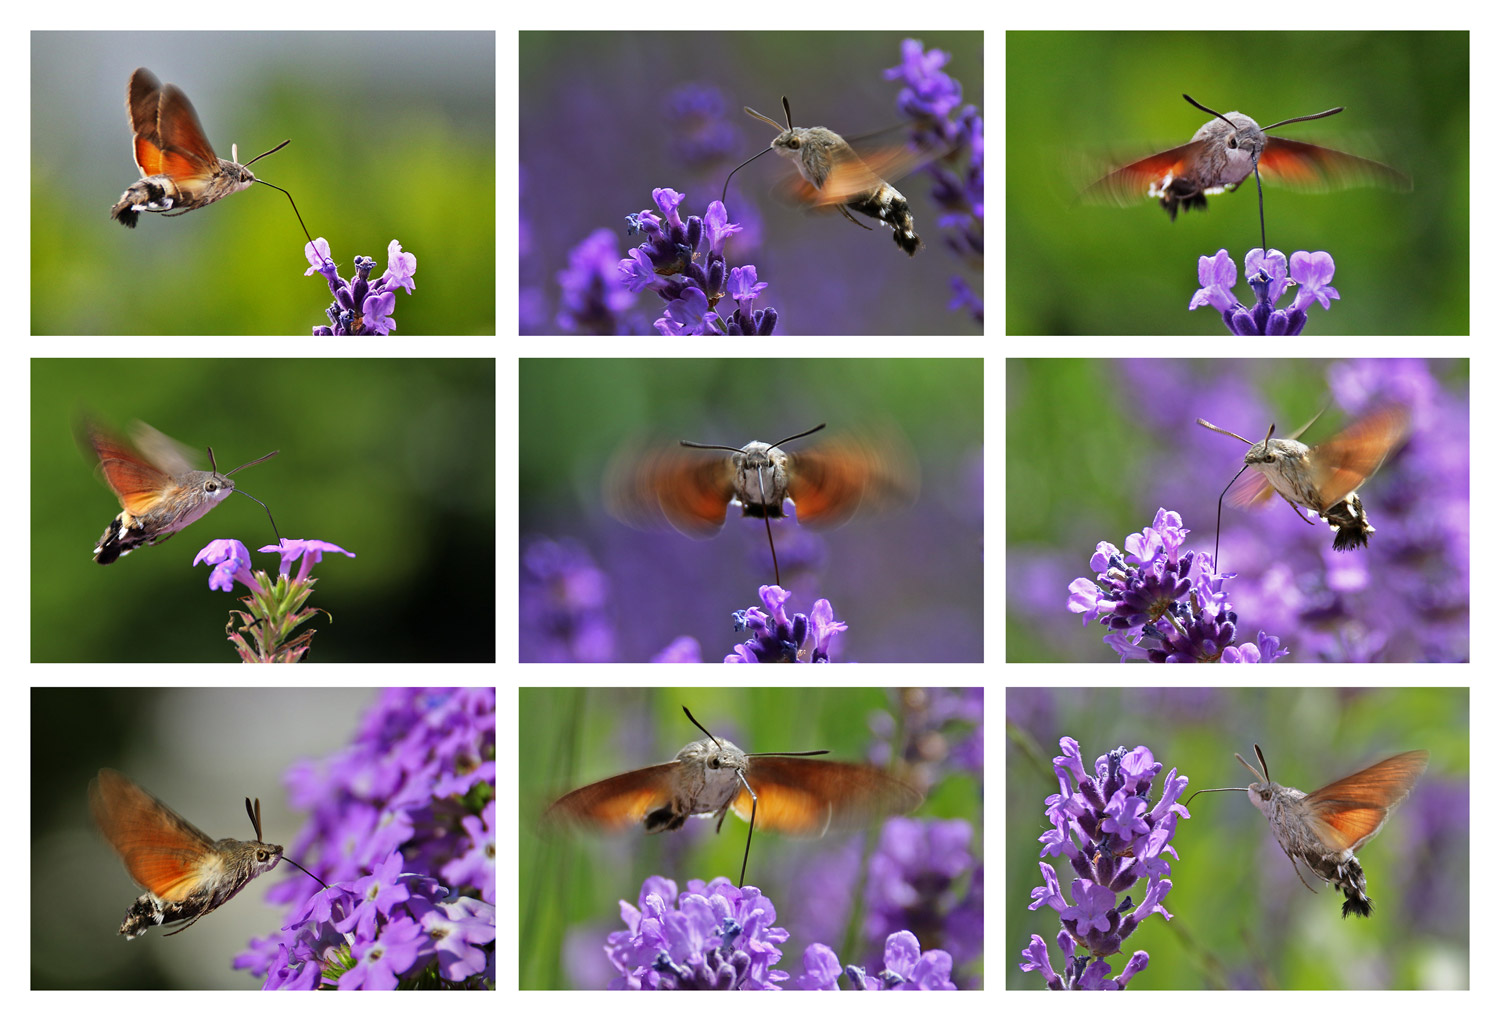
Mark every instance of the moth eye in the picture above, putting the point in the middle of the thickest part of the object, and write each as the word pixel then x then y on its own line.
pixel 210 487
pixel 795 143
pixel 261 856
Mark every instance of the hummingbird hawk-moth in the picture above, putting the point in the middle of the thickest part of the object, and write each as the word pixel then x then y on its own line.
pixel 786 791
pixel 1228 149
pixel 1325 478
pixel 833 174
pixel 690 486
pixel 160 491
pixel 185 872
pixel 179 170
pixel 1322 830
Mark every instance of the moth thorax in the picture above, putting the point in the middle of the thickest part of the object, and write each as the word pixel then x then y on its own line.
pixel 760 479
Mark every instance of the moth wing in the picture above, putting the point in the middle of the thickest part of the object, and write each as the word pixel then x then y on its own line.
pixel 805 797
pixel 162 851
pixel 617 802
pixel 1309 167
pixel 647 485
pixel 185 148
pixel 1343 463
pixel 1251 489
pixel 142 97
pixel 829 481
pixel 855 172
pixel 1131 183
pixel 1348 812
pixel 135 481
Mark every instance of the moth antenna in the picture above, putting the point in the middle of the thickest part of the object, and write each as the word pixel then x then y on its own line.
pixel 1261 756
pixel 1209 425
pixel 1216 113
pixel 1309 117
pixel 268 152
pixel 254 817
pixel 702 728
pixel 788 108
pixel 809 432
pixel 247 464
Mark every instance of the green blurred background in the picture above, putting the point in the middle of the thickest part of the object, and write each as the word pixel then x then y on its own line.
pixel 1077 100
pixel 1241 917
pixel 393 460
pixel 393 137
pixel 571 884
pixel 200 750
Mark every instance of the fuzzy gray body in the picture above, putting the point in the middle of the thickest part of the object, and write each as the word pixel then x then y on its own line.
pixel 129 531
pixel 820 155
pixel 1288 466
pixel 760 484
pixel 231 865
pixel 161 194
pixel 706 783
pixel 1220 158
pixel 1289 819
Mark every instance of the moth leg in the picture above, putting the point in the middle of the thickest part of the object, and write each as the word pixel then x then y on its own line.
pixel 1295 508
pixel 851 219
pixel 1296 869
pixel 189 925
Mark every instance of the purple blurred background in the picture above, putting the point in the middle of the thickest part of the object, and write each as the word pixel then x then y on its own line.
pixel 604 120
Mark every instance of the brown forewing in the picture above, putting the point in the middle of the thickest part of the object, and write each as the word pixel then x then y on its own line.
pixel 805 797
pixel 1342 464
pixel 1315 167
pixel 829 481
pixel 1350 811
pixel 648 484
pixel 855 173
pixel 161 850
pixel 618 802
pixel 1130 183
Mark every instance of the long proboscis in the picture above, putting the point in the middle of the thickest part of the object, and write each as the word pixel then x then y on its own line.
pixel 298 213
pixel 1263 778
pixel 1219 515
pixel 247 464
pixel 760 117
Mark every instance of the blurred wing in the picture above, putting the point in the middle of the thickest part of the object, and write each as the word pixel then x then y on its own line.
pixel 829 481
pixel 1129 184
pixel 853 174
pixel 1315 168
pixel 616 803
pixel 161 450
pixel 1251 489
pixel 806 797
pixel 1350 811
pixel 135 481
pixel 1342 464
pixel 646 486
pixel 162 851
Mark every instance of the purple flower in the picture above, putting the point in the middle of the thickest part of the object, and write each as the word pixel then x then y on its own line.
pixel 412 797
pixel 715 936
pixel 564 604
pixel 777 638
pixel 1266 273
pixel 923 877
pixel 362 307
pixel 1163 607
pixel 1112 836
pixel 906 968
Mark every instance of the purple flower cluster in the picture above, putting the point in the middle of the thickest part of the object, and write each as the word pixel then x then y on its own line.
pixel 275 608
pixel 923 879
pixel 564 605
pixel 720 936
pixel 1266 273
pixel 1105 826
pixel 403 828
pixel 362 307
pixel 931 98
pixel 1162 606
pixel 777 638
pixel 683 262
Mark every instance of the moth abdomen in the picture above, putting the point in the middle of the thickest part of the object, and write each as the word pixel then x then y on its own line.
pixel 889 206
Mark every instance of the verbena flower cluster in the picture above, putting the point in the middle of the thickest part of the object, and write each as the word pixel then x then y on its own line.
pixel 1266 273
pixel 1163 605
pixel 275 608
pixel 402 827
pixel 1112 837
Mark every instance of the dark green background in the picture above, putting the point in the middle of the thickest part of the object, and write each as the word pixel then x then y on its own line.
pixel 1240 915
pixel 1078 101
pixel 393 460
